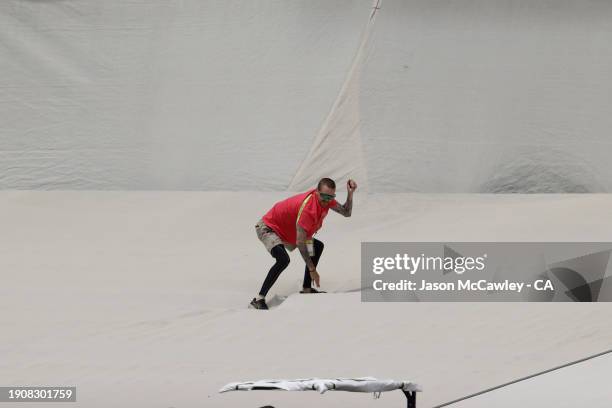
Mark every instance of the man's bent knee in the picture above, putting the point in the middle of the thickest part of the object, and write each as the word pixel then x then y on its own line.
pixel 281 255
pixel 318 245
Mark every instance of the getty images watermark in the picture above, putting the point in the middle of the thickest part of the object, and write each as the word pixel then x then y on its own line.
pixel 485 272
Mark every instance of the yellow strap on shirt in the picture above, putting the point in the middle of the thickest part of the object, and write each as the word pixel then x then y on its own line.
pixel 302 207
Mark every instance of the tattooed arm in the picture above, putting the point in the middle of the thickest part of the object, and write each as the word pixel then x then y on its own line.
pixel 301 244
pixel 346 208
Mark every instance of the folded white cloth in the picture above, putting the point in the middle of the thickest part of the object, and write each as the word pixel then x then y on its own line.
pixel 362 384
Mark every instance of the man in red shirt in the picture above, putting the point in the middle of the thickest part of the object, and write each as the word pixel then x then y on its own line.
pixel 292 223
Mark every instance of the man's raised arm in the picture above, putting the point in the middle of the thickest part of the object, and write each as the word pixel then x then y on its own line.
pixel 346 208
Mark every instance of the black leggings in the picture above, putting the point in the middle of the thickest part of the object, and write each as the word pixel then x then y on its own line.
pixel 282 261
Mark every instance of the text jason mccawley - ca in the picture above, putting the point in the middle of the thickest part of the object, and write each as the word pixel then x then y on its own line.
pixel 458 265
pixel 460 285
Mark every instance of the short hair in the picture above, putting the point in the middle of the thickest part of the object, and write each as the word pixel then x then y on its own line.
pixel 326 182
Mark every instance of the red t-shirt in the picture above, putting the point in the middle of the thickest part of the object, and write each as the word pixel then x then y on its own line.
pixel 284 215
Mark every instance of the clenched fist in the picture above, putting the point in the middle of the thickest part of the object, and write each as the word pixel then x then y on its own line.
pixel 351 185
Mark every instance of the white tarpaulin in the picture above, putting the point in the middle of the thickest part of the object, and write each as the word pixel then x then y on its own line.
pixel 490 96
pixel 130 296
pixel 361 384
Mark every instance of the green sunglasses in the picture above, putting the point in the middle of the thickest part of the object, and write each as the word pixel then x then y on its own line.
pixel 327 197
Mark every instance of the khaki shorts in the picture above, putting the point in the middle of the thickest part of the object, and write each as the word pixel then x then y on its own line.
pixel 268 237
